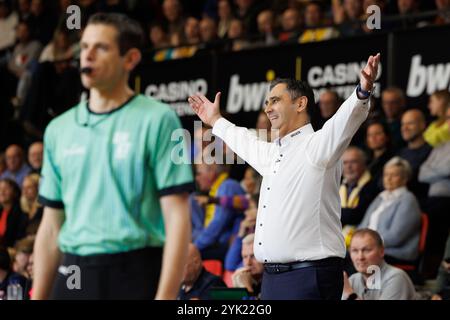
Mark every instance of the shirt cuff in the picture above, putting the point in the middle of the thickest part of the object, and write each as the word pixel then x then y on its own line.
pixel 364 103
pixel 181 188
pixel 56 204
pixel 220 127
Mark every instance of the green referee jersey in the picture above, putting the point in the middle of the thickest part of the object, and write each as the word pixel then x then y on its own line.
pixel 108 172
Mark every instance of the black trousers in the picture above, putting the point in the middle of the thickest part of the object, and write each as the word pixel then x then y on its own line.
pixel 311 283
pixel 127 275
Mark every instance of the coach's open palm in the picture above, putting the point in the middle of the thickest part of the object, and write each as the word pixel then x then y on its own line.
pixel 208 112
pixel 369 73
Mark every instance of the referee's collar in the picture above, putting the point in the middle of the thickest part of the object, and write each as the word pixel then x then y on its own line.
pixel 306 129
pixel 112 110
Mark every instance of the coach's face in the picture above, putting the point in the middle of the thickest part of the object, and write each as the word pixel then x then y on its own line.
pixel 281 110
pixel 100 51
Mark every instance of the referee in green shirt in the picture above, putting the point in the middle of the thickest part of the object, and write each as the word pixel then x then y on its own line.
pixel 113 196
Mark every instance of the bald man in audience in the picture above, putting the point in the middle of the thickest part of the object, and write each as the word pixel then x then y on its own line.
pixel 413 125
pixel 16 168
pixel 35 156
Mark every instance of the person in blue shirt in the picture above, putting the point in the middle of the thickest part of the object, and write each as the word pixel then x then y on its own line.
pixel 213 225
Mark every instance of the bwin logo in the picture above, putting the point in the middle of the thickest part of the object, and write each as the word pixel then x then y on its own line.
pixel 249 96
pixel 430 78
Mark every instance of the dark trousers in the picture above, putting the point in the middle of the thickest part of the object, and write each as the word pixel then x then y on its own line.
pixel 310 283
pixel 127 275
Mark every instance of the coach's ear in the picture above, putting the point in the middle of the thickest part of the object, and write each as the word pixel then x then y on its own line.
pixel 301 103
pixel 132 58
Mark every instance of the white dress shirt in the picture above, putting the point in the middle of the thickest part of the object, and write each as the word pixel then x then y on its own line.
pixel 299 207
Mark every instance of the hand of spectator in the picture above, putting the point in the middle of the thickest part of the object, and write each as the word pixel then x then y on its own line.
pixel 245 225
pixel 369 73
pixel 436 297
pixel 242 278
pixel 348 290
pixel 202 200
pixel 208 112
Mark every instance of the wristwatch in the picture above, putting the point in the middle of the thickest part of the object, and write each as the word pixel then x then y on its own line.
pixel 362 93
pixel 352 296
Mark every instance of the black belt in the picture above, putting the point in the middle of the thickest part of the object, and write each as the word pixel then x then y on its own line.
pixel 285 267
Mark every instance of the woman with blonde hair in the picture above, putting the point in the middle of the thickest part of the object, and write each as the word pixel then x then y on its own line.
pixel 29 202
pixel 395 214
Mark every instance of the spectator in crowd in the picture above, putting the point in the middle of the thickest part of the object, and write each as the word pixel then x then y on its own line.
pixel 395 214
pixel 8 276
pixel 25 52
pixel 191 31
pixel 22 252
pixel 16 167
pixel 8 23
pixel 214 225
pixel 436 171
pixel 407 8
pixel 158 36
pixel 357 190
pixel 42 20
pixel 367 254
pixel 291 24
pixel 236 33
pixel 443 17
pixel 233 258
pixel 29 203
pixel 197 281
pixel 442 288
pixel 190 39
pixel 13 221
pixel 329 102
pixel 314 24
pixel 208 30
pixel 24 9
pixel 251 184
pixel 393 103
pixel 378 142
pixel 416 151
pixel 247 11
pixel 173 13
pixel 225 14
pixel 159 41
pixel 35 156
pixel 250 275
pixel 266 27
pixel 349 16
pixel 59 48
pixel 438 131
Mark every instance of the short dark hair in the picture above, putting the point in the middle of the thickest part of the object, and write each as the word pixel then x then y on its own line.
pixel 130 33
pixel 297 89
pixel 13 185
pixel 371 233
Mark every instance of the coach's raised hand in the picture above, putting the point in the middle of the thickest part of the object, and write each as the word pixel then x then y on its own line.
pixel 369 73
pixel 208 112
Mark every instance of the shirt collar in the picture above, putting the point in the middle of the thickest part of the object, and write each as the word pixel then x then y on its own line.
pixel 392 195
pixel 307 128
